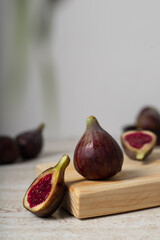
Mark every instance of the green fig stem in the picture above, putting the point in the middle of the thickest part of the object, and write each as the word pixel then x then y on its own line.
pixel 63 163
pixel 41 127
pixel 140 155
pixel 91 122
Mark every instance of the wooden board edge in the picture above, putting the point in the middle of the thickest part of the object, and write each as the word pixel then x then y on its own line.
pixel 141 199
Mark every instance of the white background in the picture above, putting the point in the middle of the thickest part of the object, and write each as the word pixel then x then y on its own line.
pixel 105 58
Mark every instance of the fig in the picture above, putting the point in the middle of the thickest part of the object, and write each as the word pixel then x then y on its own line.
pixel 149 119
pixel 138 144
pixel 8 150
pixel 97 155
pixel 30 142
pixel 46 193
pixel 129 128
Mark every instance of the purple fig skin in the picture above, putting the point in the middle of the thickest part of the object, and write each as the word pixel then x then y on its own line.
pixel 129 127
pixel 149 119
pixel 54 200
pixel 132 155
pixel 97 155
pixel 138 153
pixel 30 143
pixel 8 150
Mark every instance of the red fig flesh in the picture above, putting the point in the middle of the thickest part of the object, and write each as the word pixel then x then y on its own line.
pixel 46 193
pixel 148 119
pixel 138 144
pixel 40 191
pixel 97 155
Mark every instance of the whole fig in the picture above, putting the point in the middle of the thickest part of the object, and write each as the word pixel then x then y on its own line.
pixel 8 150
pixel 149 119
pixel 97 155
pixel 30 142
pixel 129 128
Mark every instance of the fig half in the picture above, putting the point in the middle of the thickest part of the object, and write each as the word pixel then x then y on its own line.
pixel 97 155
pixel 138 144
pixel 46 193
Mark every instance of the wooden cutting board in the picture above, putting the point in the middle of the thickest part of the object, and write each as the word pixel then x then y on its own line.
pixel 136 187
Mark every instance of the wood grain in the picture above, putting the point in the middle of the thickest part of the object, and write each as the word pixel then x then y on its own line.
pixel 136 187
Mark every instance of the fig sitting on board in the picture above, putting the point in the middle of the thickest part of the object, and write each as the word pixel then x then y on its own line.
pixel 138 144
pixel 97 155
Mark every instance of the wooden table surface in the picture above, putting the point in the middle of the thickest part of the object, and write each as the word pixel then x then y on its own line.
pixel 17 223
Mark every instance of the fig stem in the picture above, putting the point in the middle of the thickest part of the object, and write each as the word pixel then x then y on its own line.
pixel 140 155
pixel 92 122
pixel 63 162
pixel 41 127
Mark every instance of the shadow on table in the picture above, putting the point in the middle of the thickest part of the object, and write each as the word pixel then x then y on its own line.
pixel 60 214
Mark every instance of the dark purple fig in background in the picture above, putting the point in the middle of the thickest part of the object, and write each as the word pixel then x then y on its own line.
pixel 8 150
pixel 30 143
pixel 149 119
pixel 46 193
pixel 138 144
pixel 129 128
pixel 97 155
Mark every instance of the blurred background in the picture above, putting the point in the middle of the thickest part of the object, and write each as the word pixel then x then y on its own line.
pixel 64 60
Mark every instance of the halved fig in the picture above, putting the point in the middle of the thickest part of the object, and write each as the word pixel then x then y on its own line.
pixel 46 193
pixel 138 144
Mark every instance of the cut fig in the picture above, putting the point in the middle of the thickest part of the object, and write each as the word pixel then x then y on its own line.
pixel 46 193
pixel 138 144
